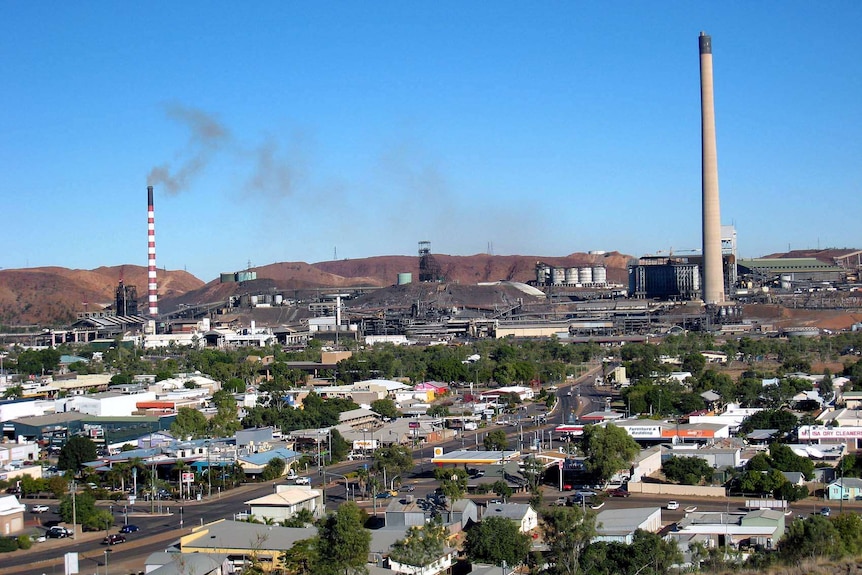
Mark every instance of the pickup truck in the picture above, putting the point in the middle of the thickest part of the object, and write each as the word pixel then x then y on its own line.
pixel 302 481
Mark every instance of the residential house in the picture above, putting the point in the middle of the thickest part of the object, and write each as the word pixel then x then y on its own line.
pixel 844 488
pixel 619 525
pixel 521 513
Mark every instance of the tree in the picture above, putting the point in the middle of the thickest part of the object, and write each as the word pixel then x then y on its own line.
pixel 385 408
pixel 273 469
pixel 301 557
pixel 342 542
pixel 190 423
pixel 813 537
pixel 686 470
pixel 496 540
pixel 495 440
pixel 453 482
pixel 502 489
pixel 393 460
pixel 77 451
pixel 608 450
pixel 339 448
pixel 83 507
pixel 567 531
pixel 422 545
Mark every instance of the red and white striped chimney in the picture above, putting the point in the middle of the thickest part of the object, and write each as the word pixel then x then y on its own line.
pixel 152 285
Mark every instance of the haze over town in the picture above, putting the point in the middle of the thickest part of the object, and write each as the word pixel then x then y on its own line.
pixel 306 133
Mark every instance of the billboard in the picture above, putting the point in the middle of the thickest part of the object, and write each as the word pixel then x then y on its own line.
pixel 815 432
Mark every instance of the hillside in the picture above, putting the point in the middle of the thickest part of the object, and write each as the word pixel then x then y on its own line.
pixel 54 295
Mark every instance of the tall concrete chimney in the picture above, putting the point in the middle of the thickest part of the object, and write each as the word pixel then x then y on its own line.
pixel 152 284
pixel 713 274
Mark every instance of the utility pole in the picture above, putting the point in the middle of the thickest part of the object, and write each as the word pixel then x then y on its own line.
pixel 73 486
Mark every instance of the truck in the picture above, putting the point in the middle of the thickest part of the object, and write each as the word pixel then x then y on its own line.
pixel 777 504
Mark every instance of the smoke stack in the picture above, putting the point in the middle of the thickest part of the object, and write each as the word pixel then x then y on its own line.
pixel 713 275
pixel 152 284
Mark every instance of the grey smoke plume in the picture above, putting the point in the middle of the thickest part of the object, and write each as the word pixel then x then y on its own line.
pixel 206 137
pixel 271 175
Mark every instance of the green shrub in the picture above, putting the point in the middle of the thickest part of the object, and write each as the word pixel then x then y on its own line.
pixel 25 541
pixel 8 544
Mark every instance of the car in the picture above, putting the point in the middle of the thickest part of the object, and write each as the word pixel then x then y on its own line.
pixel 407 488
pixel 825 511
pixel 57 532
pixel 383 495
pixel 586 493
pixel 302 481
pixel 618 493
pixel 496 502
pixel 672 505
pixel 39 509
pixel 129 528
pixel 114 539
pixel 560 502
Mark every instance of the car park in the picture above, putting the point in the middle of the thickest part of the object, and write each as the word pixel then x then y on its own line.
pixel 39 509
pixel 129 528
pixel 114 539
pixel 672 505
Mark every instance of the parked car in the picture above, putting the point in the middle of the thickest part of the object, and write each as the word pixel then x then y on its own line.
pixel 302 481
pixel 560 502
pixel 672 505
pixel 114 539
pixel 586 493
pixel 407 488
pixel 129 528
pixel 39 508
pixel 383 495
pixel 57 532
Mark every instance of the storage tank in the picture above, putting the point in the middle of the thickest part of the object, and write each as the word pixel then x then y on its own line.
pixel 279 299
pixel 786 280
pixel 405 278
pixel 558 276
pixel 253 300
pixel 585 275
pixel 571 276
pixel 600 275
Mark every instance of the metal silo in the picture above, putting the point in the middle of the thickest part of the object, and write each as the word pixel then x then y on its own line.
pixel 585 275
pixel 600 275
pixel 571 276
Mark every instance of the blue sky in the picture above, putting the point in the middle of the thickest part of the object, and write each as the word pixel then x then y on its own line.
pixel 287 131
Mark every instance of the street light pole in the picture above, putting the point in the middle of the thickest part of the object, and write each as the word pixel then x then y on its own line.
pixel 209 474
pixel 107 553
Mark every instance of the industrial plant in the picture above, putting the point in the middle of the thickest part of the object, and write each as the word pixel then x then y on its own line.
pixel 581 299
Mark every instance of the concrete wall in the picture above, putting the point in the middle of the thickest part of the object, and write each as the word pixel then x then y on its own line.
pixel 671 489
